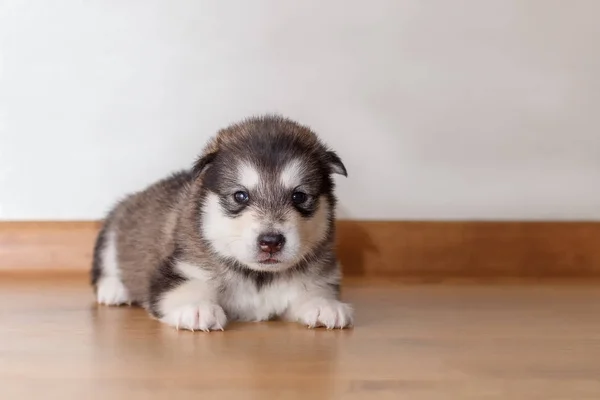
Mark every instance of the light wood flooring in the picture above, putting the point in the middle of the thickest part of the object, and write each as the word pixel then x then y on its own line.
pixel 411 341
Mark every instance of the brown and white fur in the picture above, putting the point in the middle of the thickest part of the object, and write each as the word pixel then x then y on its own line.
pixel 246 234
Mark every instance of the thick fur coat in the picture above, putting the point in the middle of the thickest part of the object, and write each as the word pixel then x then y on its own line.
pixel 246 234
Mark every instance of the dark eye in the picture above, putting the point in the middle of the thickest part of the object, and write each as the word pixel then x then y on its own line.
pixel 299 197
pixel 241 197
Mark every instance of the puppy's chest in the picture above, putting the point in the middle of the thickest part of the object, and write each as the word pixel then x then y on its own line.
pixel 243 300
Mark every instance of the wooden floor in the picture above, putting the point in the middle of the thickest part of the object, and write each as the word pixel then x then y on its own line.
pixel 437 341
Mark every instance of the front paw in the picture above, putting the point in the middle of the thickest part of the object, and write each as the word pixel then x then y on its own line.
pixel 325 312
pixel 203 316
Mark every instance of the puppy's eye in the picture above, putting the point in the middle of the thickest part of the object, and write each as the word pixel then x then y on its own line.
pixel 299 197
pixel 241 197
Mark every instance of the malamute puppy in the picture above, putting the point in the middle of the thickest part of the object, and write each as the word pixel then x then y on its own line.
pixel 246 234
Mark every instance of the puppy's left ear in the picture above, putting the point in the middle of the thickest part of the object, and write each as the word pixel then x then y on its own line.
pixel 202 163
pixel 335 163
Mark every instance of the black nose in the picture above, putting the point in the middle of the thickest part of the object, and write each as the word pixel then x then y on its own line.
pixel 271 242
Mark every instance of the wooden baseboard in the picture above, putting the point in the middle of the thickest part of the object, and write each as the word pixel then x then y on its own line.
pixel 366 248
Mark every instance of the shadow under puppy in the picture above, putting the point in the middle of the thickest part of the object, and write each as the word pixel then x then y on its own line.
pixel 247 234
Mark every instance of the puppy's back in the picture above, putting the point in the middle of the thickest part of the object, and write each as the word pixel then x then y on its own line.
pixel 137 234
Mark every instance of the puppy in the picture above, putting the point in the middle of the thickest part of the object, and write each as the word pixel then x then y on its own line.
pixel 246 234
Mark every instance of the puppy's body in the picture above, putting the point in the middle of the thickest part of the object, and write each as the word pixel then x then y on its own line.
pixel 248 234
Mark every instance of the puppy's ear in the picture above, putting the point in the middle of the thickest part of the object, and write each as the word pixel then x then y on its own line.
pixel 335 163
pixel 202 163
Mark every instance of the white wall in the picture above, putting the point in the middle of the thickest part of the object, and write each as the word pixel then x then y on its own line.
pixel 440 109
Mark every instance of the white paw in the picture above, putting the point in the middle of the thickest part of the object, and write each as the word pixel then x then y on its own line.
pixel 111 292
pixel 326 312
pixel 204 317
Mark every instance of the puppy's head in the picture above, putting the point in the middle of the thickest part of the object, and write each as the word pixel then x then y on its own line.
pixel 267 197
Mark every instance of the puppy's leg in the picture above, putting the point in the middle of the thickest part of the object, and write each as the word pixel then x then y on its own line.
pixel 184 296
pixel 317 305
pixel 106 275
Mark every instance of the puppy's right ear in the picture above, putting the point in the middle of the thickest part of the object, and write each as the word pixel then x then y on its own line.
pixel 203 163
